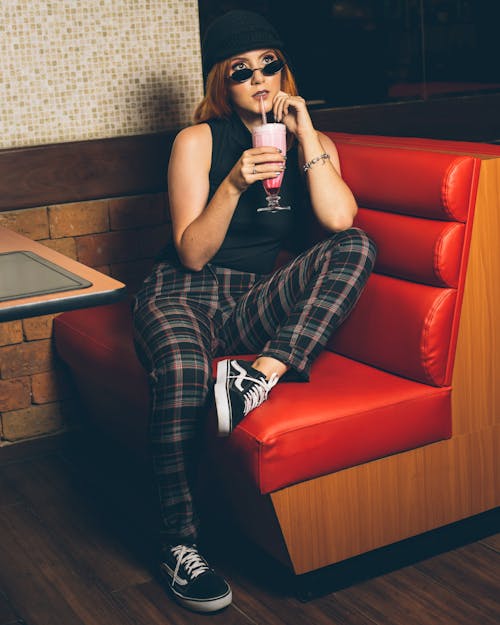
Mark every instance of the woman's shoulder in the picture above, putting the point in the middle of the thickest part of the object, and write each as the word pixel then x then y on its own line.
pixel 193 145
pixel 203 129
pixel 194 134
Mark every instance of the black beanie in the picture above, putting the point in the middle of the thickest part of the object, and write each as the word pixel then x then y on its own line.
pixel 236 32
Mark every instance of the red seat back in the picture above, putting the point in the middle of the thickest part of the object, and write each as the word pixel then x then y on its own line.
pixel 418 210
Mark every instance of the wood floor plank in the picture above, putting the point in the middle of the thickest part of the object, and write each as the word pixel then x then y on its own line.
pixel 48 585
pixel 61 563
pixel 75 521
pixel 7 614
pixel 149 604
pixel 482 577
pixel 264 608
pixel 493 542
pixel 32 596
pixel 272 609
pixel 264 589
pixel 8 494
pixel 408 597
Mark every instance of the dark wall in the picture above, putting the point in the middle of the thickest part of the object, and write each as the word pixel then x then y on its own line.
pixel 349 52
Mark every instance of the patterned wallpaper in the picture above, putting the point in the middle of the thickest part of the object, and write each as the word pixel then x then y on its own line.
pixel 74 70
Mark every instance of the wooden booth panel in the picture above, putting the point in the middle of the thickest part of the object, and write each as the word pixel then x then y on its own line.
pixel 344 514
pixel 476 375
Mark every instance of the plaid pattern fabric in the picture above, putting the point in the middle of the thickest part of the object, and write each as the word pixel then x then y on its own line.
pixel 291 314
pixel 183 319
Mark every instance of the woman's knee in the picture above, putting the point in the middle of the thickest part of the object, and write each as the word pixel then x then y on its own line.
pixel 173 334
pixel 183 365
pixel 356 241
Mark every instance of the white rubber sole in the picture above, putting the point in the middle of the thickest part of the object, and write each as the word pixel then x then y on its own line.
pixel 204 606
pixel 222 404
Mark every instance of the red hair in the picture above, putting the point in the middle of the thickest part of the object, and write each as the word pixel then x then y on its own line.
pixel 216 103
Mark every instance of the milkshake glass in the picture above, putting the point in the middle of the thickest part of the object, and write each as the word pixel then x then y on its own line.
pixel 271 135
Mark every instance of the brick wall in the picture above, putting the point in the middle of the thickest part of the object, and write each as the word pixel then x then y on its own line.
pixel 120 237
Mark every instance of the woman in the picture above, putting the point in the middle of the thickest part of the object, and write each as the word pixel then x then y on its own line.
pixel 215 290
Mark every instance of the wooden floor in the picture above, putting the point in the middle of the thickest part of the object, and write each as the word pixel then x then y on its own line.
pixel 70 555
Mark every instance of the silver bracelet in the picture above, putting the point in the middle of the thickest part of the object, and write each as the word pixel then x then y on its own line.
pixel 313 161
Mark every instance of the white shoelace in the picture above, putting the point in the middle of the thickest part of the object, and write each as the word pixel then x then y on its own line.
pixel 189 557
pixel 256 394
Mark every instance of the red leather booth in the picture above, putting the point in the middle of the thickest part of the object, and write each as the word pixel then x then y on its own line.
pixel 329 469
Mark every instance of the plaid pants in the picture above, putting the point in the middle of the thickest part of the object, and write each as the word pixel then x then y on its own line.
pixel 183 319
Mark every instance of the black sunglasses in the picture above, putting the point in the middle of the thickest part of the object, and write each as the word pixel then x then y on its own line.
pixel 242 75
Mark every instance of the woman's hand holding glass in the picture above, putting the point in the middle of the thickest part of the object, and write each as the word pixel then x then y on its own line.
pixel 257 164
pixel 266 163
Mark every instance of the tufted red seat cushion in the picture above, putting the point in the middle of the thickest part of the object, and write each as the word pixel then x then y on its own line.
pixel 348 414
pixel 97 345
pixel 421 250
pixel 383 384
pixel 421 143
pixel 417 206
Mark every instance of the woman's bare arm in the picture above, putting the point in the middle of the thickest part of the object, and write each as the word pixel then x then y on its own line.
pixel 198 227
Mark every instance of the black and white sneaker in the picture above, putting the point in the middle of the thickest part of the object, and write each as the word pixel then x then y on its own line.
pixel 238 389
pixel 193 583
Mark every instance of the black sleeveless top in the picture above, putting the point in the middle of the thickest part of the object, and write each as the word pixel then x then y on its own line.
pixel 253 240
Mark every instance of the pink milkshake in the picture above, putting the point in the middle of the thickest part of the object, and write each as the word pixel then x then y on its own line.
pixel 271 135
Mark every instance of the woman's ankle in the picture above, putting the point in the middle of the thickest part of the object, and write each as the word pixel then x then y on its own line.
pixel 269 366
